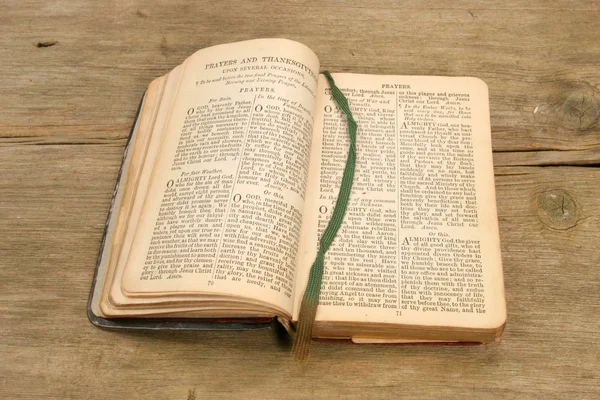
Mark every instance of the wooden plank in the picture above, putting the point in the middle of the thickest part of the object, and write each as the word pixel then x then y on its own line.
pixel 589 157
pixel 65 114
pixel 51 230
pixel 539 60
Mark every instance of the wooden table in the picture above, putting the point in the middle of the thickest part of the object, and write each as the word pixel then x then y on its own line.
pixel 71 75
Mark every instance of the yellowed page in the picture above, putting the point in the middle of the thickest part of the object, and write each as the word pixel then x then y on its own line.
pixel 395 341
pixel 224 205
pixel 153 116
pixel 419 244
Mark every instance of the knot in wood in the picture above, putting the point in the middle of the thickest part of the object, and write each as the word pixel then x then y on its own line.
pixel 579 111
pixel 557 209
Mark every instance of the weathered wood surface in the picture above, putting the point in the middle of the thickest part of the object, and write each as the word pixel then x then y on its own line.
pixel 71 74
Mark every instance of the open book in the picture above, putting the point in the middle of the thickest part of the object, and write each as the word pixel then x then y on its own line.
pixel 231 174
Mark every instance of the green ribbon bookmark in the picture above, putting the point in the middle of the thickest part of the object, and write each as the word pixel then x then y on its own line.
pixel 310 301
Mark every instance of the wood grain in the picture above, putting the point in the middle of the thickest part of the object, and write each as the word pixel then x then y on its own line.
pixel 71 74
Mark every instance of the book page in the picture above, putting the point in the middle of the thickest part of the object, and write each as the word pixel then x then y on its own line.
pixel 129 180
pixel 223 209
pixel 419 244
